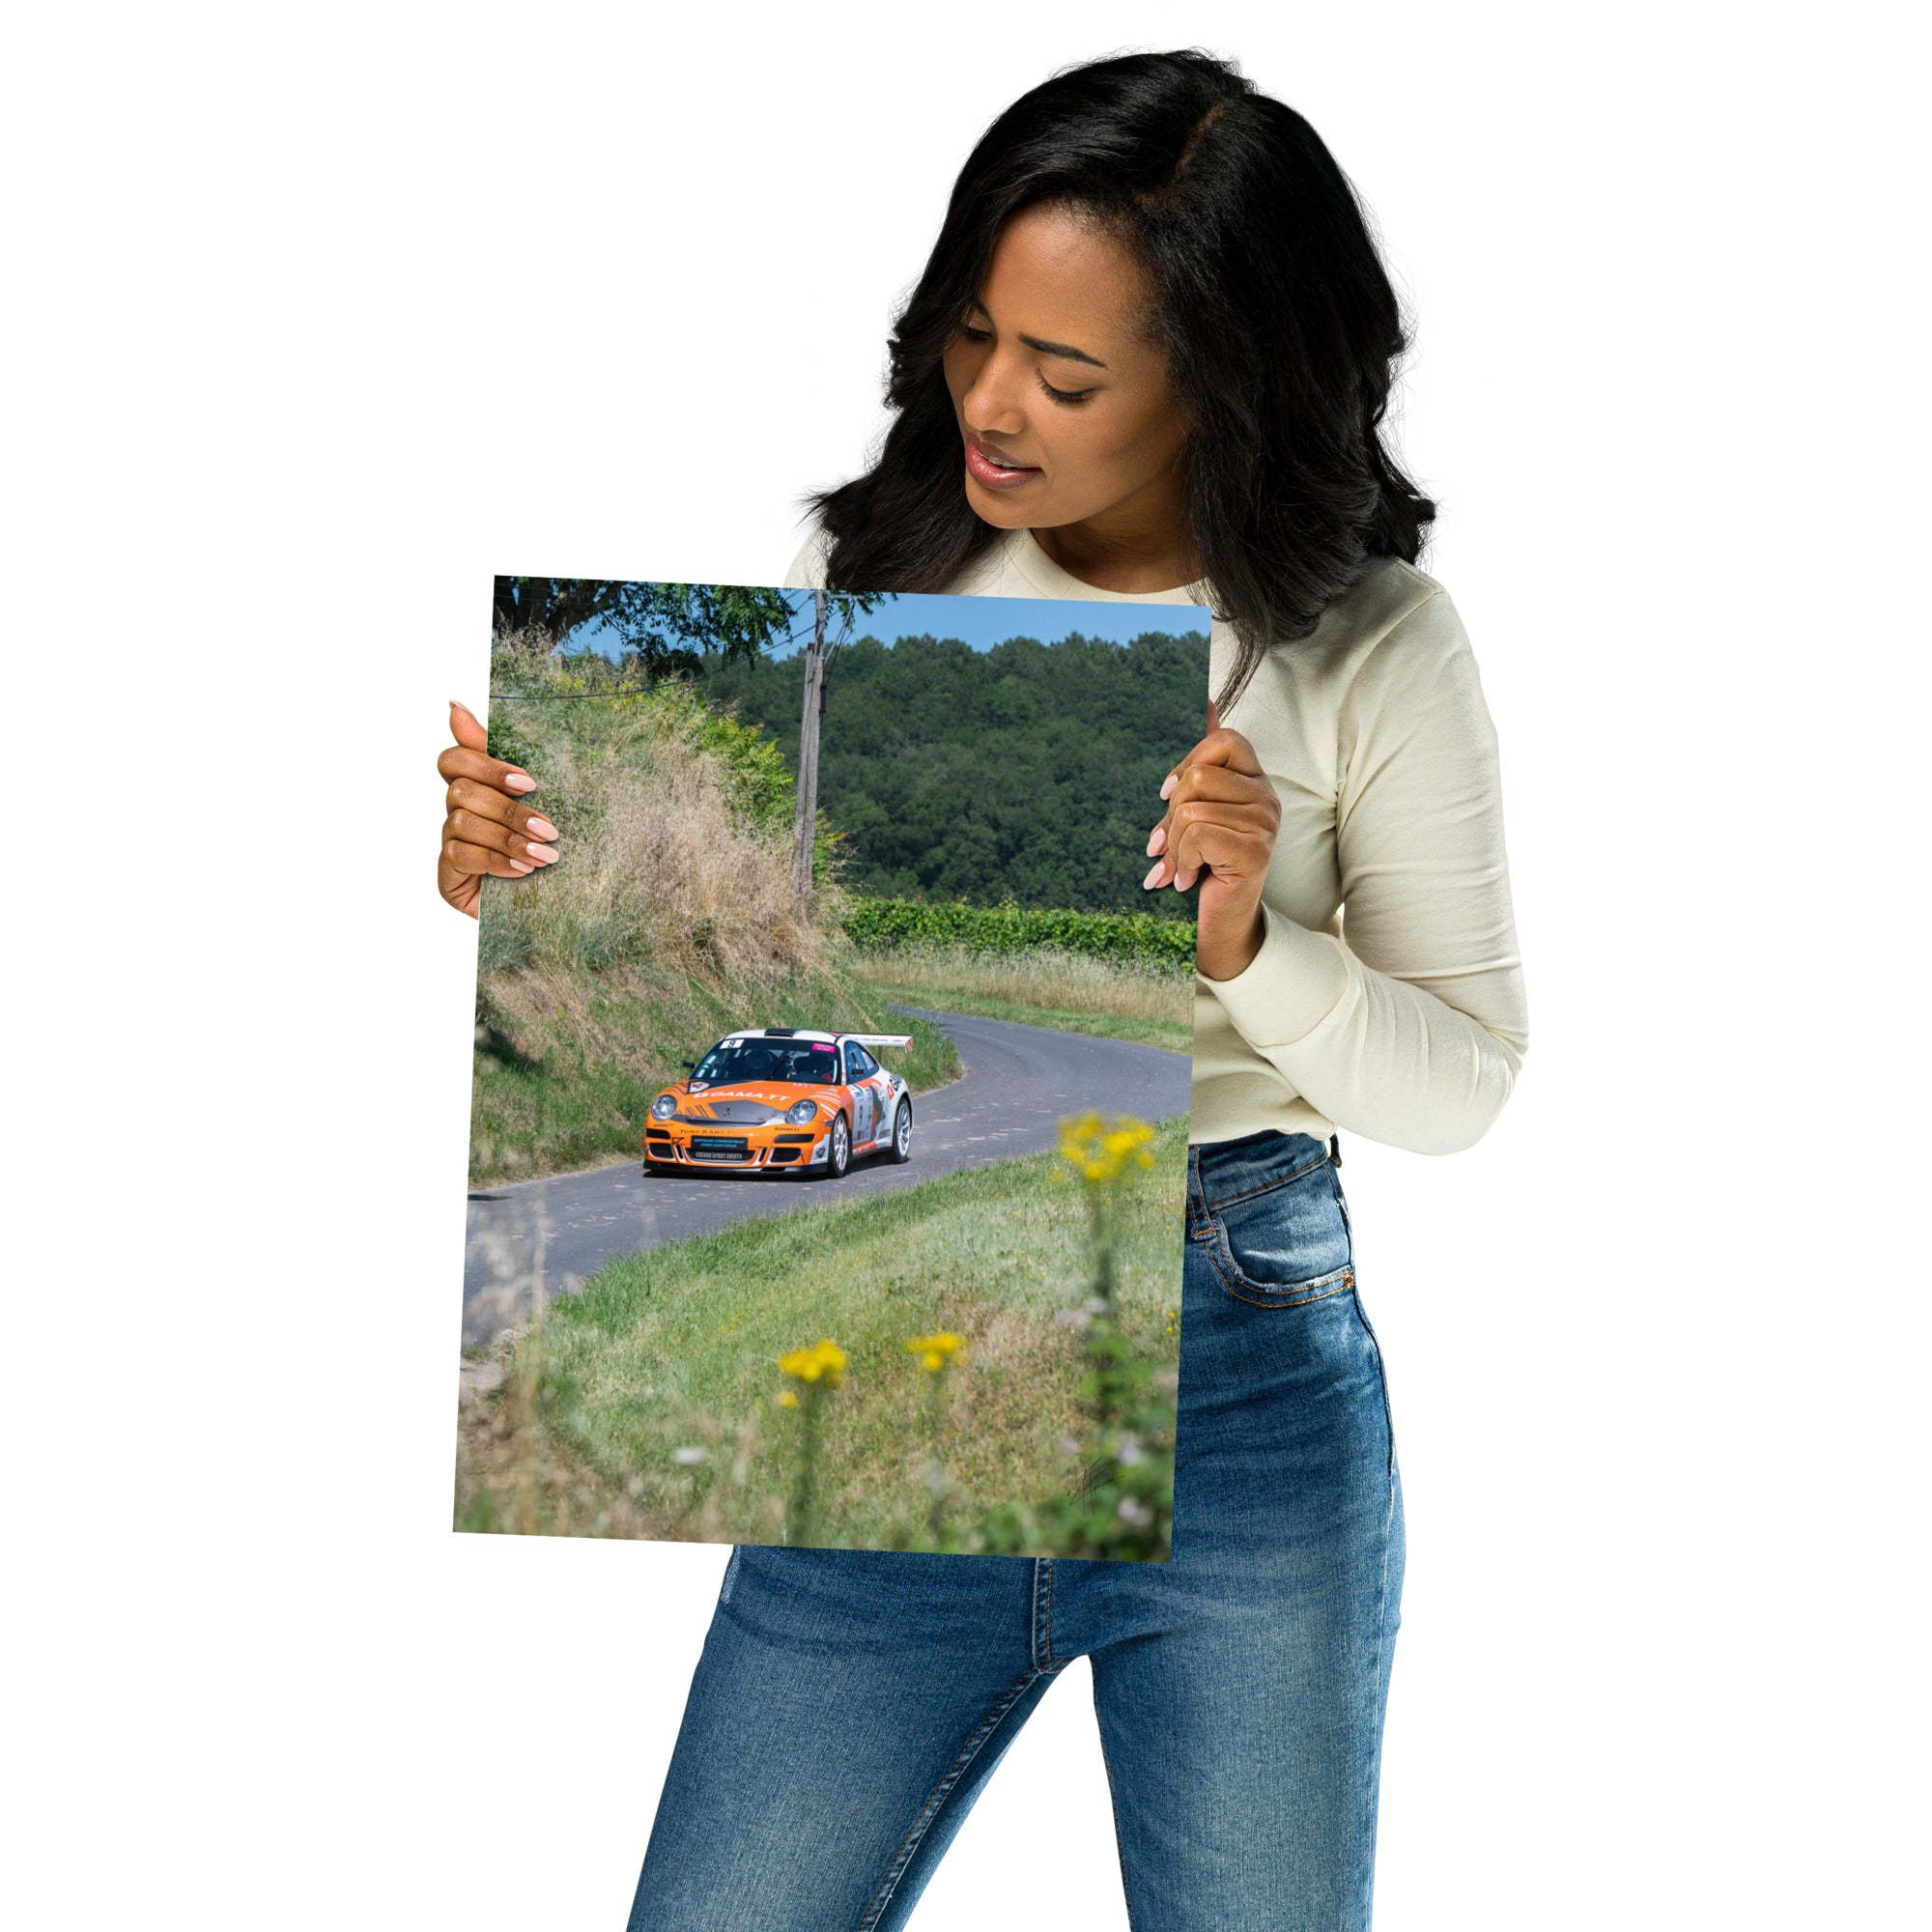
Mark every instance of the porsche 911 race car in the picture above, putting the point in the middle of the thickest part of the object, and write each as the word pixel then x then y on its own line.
pixel 783 1098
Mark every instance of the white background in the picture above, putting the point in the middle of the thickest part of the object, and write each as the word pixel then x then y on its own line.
pixel 316 319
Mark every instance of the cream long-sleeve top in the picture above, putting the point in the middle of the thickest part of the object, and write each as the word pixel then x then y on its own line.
pixel 1387 998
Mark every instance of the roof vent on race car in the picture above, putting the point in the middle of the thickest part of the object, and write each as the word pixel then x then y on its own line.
pixel 781 1033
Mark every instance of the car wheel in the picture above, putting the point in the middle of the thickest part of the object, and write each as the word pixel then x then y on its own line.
pixel 901 1148
pixel 838 1155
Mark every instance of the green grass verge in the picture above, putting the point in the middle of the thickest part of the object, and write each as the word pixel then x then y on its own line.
pixel 1176 1037
pixel 677 1349
pixel 1047 986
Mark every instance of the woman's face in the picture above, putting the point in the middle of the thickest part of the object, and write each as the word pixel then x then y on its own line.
pixel 1065 408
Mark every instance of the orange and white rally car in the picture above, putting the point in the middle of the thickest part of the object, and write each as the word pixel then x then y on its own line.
pixel 775 1097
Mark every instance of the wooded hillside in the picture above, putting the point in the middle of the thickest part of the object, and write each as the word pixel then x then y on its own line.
pixel 1030 771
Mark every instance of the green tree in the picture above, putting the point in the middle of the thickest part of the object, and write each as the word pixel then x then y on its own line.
pixel 1029 772
pixel 665 628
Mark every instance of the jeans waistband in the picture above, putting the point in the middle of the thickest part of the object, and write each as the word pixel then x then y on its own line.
pixel 1220 1171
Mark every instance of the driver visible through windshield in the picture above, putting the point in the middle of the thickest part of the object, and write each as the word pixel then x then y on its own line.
pixel 735 1061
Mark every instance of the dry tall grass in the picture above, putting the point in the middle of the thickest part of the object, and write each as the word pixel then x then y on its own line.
pixel 1043 979
pixel 661 858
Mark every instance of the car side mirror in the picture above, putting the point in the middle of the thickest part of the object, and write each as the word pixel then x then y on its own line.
pixel 690 1066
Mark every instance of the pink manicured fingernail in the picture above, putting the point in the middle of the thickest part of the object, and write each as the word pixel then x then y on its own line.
pixel 1154 877
pixel 541 828
pixel 1173 780
pixel 518 867
pixel 519 781
pixel 1181 884
pixel 1158 841
pixel 542 854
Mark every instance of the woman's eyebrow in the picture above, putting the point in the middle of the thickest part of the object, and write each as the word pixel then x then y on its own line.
pixel 1062 349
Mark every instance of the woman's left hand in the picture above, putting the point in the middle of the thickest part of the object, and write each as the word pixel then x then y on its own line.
pixel 1222 817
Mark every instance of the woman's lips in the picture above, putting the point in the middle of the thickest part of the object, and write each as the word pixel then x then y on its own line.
pixel 986 465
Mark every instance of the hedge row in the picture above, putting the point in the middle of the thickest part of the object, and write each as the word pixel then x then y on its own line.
pixel 1126 938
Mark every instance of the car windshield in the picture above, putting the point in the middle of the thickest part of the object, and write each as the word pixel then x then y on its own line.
pixel 798 1061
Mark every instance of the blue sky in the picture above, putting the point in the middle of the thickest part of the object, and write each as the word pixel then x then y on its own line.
pixel 985 621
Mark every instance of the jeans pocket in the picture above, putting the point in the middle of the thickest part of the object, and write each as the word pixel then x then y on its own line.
pixel 1284 1245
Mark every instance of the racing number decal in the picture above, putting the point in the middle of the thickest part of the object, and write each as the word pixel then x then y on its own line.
pixel 871 1104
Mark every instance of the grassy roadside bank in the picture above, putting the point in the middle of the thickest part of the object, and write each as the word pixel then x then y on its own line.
pixel 1149 1004
pixel 649 1403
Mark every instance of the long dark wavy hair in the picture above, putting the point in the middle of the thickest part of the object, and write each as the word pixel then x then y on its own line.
pixel 1279 326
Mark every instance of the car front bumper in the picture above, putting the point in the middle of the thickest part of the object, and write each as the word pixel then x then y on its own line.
pixel 673 1143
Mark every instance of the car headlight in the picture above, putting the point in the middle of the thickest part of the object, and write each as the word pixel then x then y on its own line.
pixel 663 1107
pixel 802 1113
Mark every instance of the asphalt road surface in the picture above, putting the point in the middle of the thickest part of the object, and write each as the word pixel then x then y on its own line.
pixel 1020 1083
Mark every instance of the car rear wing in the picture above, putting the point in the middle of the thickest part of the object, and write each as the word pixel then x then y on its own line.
pixel 881 1038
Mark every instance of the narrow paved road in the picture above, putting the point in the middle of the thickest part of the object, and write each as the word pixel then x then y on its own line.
pixel 1020 1083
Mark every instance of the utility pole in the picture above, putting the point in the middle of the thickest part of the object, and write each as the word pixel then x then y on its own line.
pixel 806 823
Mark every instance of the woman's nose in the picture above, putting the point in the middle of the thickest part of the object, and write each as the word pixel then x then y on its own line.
pixel 991 402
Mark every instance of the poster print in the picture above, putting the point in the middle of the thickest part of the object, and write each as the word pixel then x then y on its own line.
pixel 829 1113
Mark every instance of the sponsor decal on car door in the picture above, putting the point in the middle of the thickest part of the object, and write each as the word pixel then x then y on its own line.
pixel 878 1096
pixel 862 1100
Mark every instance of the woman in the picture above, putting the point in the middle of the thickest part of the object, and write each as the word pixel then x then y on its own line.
pixel 1149 360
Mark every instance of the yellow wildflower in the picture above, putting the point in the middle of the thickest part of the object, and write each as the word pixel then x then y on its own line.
pixel 825 1363
pixel 934 1352
pixel 1098 1148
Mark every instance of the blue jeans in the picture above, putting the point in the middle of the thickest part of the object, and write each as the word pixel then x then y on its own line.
pixel 850 1704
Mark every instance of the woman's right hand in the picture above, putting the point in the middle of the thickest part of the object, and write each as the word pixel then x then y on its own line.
pixel 487 829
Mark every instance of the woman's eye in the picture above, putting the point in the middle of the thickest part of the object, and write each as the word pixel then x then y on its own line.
pixel 973 334
pixel 1063 396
